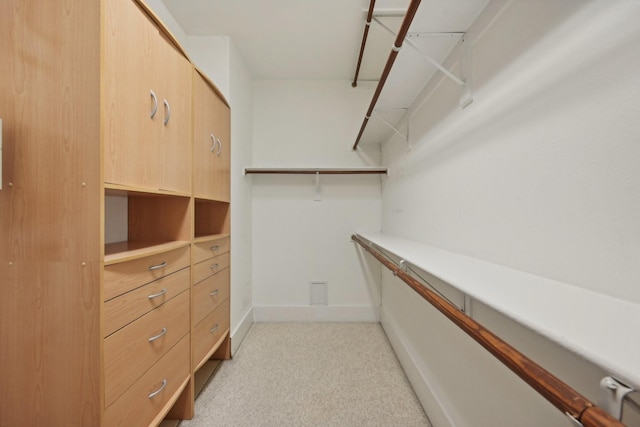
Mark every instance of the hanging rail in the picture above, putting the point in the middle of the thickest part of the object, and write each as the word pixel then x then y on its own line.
pixel 364 41
pixel 313 171
pixel 559 394
pixel 402 33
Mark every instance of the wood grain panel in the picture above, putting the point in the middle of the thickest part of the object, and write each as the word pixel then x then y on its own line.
pixel 210 248
pixel 135 405
pixel 132 139
pixel 125 276
pixel 128 352
pixel 210 267
pixel 208 332
pixel 209 294
pixel 50 213
pixel 126 308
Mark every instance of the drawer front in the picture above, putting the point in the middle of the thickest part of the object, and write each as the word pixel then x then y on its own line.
pixel 126 308
pixel 125 276
pixel 136 347
pixel 210 267
pixel 210 248
pixel 207 333
pixel 138 406
pixel 209 293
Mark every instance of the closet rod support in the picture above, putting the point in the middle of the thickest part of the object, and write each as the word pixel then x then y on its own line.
pixel 612 394
pixel 382 119
pixel 460 82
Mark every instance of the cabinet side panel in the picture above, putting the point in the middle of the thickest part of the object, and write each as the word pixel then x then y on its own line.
pixel 50 213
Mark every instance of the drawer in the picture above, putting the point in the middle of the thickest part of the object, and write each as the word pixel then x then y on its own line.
pixel 207 333
pixel 210 267
pixel 126 308
pixel 210 248
pixel 135 348
pixel 138 405
pixel 209 293
pixel 125 276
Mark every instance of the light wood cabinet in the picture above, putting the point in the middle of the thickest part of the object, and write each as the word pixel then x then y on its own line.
pixel 212 142
pixel 147 103
pixel 95 332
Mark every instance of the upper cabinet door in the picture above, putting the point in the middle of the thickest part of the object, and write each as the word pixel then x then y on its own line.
pixel 212 143
pixel 131 94
pixel 176 126
pixel 146 101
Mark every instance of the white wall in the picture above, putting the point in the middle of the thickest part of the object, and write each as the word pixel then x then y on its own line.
pixel 297 240
pixel 539 174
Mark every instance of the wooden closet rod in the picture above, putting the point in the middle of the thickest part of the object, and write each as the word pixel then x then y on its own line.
pixel 402 33
pixel 364 41
pixel 551 388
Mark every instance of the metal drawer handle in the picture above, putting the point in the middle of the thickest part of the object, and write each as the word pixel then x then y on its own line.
pixel 155 267
pixel 214 329
pixel 154 110
pixel 164 331
pixel 159 294
pixel 213 266
pixel 157 392
pixel 213 145
pixel 167 112
pixel 214 293
pixel 219 147
pixel 214 248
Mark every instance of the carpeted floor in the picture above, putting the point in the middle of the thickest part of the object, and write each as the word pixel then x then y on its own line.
pixel 310 374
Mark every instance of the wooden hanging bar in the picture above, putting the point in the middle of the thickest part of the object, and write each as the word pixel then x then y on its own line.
pixel 364 41
pixel 321 171
pixel 559 394
pixel 402 33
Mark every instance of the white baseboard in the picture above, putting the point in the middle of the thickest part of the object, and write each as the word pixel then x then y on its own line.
pixel 240 331
pixel 316 314
pixel 416 372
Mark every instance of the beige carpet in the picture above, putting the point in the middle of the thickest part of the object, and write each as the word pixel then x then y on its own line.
pixel 310 374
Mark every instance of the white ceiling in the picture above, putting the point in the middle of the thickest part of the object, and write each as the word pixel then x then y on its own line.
pixel 320 39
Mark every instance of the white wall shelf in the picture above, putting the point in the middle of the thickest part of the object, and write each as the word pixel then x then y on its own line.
pixel 583 321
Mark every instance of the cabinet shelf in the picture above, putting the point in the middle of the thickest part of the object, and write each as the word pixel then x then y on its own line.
pixel 208 237
pixel 127 251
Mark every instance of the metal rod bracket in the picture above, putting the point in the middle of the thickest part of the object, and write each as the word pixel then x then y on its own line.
pixel 612 394
pixel 574 422
pixel 318 195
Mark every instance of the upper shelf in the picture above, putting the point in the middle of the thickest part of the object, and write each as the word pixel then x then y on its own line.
pixel 438 26
pixel 588 323
pixel 314 171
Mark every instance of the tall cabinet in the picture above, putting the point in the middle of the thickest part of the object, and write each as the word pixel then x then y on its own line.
pixel 114 259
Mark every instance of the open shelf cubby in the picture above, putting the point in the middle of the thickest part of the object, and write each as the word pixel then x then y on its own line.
pixel 138 223
pixel 211 218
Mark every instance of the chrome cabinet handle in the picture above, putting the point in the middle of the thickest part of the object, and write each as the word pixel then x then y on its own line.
pixel 157 392
pixel 159 294
pixel 214 329
pixel 213 143
pixel 214 293
pixel 154 110
pixel 219 147
pixel 164 331
pixel 213 266
pixel 214 248
pixel 167 112
pixel 155 267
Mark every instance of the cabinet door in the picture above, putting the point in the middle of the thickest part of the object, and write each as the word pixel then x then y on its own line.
pixel 211 143
pixel 131 61
pixel 176 124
